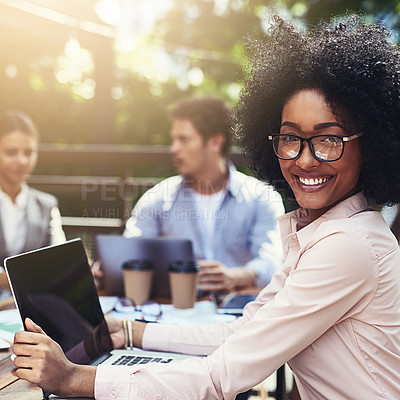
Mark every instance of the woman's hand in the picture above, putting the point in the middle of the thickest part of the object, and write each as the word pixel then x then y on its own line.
pixel 40 360
pixel 116 331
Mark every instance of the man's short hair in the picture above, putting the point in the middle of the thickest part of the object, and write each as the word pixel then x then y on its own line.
pixel 209 115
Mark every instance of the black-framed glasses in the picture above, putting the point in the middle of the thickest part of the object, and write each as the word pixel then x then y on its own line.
pixel 323 147
pixel 149 310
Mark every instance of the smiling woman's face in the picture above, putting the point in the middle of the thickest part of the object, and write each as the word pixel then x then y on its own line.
pixel 18 156
pixel 318 185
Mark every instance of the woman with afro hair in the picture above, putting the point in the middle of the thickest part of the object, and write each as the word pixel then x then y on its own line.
pixel 320 118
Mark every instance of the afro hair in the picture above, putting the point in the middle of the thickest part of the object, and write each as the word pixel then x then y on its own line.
pixel 356 66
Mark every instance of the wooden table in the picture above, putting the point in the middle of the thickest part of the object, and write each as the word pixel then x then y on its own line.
pixel 12 388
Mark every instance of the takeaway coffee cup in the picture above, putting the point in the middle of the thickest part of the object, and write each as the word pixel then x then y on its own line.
pixel 138 276
pixel 183 283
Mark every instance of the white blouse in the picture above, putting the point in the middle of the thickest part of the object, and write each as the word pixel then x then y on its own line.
pixel 333 314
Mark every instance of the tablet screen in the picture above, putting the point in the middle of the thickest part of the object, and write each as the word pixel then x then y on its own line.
pixel 54 287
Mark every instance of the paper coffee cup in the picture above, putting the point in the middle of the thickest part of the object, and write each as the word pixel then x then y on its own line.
pixel 183 283
pixel 138 276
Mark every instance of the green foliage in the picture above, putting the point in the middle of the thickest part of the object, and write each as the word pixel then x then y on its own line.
pixel 195 47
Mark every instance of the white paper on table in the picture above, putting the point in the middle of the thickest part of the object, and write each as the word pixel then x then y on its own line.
pixel 10 323
pixel 4 344
pixel 203 312
pixel 107 303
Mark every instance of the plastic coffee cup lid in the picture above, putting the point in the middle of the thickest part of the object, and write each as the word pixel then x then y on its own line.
pixel 184 266
pixel 137 265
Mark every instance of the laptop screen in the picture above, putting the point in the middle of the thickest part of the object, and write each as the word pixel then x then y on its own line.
pixel 114 250
pixel 54 287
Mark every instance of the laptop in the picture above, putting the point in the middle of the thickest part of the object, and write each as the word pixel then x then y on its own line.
pixel 55 288
pixel 114 250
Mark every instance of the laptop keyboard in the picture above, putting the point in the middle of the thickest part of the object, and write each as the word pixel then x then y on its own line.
pixel 133 360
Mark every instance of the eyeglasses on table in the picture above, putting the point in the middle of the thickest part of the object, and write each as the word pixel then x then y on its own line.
pixel 149 310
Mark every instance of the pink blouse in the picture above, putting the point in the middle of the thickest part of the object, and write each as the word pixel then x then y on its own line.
pixel 332 313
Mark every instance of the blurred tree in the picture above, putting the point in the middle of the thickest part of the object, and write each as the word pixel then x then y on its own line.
pixel 65 67
pixel 47 71
pixel 196 47
pixel 313 11
pixel 202 47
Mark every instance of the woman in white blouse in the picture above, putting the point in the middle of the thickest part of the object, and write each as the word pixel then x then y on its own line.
pixel 29 218
pixel 320 118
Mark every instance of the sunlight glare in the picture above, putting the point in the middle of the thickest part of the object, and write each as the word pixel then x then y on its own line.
pixel 195 76
pixel 109 11
pixel 11 71
pixel 72 47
